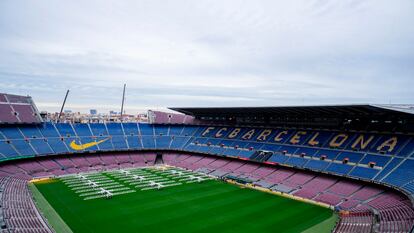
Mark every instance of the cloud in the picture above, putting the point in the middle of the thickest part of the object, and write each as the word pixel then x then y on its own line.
pixel 207 53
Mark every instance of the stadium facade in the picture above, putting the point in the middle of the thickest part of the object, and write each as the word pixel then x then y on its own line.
pixel 356 159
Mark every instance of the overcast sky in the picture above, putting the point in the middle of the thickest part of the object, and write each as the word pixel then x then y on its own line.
pixel 207 53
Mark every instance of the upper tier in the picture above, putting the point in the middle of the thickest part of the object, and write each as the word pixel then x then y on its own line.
pixel 18 109
pixel 383 158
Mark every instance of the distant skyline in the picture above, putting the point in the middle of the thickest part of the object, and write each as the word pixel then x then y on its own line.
pixel 206 53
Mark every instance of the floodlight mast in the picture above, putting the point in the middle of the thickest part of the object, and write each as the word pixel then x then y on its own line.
pixel 63 105
pixel 123 100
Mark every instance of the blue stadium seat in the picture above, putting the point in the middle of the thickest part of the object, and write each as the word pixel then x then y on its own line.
pixel 245 153
pixel 339 168
pixel 380 160
pixel 196 133
pixel 307 151
pixel 208 134
pixel 203 148
pixel 353 157
pixel 82 130
pixel 176 130
pixel 221 150
pixel 323 138
pixel 287 136
pixel 231 152
pixel 296 161
pixel 41 146
pixel 114 129
pixel 278 158
pixel 189 130
pixel 57 145
pixel 390 166
pixel 134 142
pixel 357 146
pixel 402 175
pixel 408 149
pixel 11 133
pixel 318 165
pixel 163 142
pixel 409 187
pixel 330 154
pixel 364 172
pixel 178 142
pixel 48 130
pixel 255 145
pixel 190 147
pixel 30 131
pixel 288 149
pixel 130 129
pixel 146 129
pixel 23 147
pixel 161 130
pixel 228 143
pixel 213 141
pixel 270 147
pixel 119 142
pixel 7 150
pixel 65 129
pixel 106 145
pixel 98 129
pixel 148 142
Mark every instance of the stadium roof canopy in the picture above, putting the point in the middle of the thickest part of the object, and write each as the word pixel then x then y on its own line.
pixel 386 118
pixel 341 111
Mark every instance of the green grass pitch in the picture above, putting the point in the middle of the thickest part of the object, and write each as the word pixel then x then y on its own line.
pixel 209 206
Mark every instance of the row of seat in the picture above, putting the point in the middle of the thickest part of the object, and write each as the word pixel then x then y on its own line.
pixel 19 212
pixel 393 168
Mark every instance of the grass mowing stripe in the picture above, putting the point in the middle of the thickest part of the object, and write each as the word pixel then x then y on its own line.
pixel 210 206
pixel 323 226
pixel 211 203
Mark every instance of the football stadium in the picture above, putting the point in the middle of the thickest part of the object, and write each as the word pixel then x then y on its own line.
pixel 336 168
pixel 206 116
